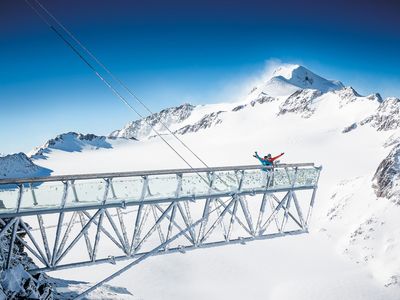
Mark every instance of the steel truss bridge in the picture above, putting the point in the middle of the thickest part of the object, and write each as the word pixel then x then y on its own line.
pixel 78 220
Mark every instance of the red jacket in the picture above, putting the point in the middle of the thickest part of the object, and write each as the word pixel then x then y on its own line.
pixel 272 159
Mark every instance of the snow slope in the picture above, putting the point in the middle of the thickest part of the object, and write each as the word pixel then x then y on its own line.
pixel 19 165
pixel 352 251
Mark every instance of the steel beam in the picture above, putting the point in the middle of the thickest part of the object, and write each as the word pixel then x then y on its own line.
pixel 231 209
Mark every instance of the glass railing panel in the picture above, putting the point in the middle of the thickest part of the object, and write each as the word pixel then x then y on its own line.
pixel 87 191
pixel 8 198
pixel 195 184
pixel 226 181
pixel 126 188
pixel 28 199
pixel 280 178
pixel 162 186
pixel 307 176
pixel 254 179
pixel 47 194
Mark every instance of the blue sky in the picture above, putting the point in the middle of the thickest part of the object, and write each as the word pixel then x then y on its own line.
pixel 171 52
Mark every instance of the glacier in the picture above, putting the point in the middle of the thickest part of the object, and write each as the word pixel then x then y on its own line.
pixel 352 249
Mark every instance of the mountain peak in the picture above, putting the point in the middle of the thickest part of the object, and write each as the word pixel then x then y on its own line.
pixel 286 70
pixel 303 78
pixel 19 165
pixel 289 78
pixel 71 142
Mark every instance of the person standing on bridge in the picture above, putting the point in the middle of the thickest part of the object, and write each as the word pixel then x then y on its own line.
pixel 268 160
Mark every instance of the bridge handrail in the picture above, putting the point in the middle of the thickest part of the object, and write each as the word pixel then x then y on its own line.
pixel 144 173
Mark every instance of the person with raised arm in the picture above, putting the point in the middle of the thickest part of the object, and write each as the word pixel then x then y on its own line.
pixel 268 160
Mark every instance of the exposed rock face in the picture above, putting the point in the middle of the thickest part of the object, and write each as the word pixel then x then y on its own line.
pixel 142 128
pixel 300 102
pixel 386 179
pixel 239 107
pixel 262 98
pixel 347 95
pixel 394 139
pixel 206 122
pixel 387 116
pixel 375 97
pixel 349 128
pixel 19 165
pixel 16 282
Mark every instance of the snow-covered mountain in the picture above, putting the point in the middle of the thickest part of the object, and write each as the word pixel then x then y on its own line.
pixel 19 165
pixel 71 142
pixel 387 116
pixel 357 140
pixel 296 88
pixel 143 128
pixel 288 79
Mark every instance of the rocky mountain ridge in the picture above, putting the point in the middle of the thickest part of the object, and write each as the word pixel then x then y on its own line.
pixel 71 142
pixel 142 128
pixel 20 165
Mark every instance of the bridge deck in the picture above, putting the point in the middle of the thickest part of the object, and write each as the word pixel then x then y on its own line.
pixel 30 196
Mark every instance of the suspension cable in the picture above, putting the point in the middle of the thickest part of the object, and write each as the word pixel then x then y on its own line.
pixel 117 79
pixel 109 85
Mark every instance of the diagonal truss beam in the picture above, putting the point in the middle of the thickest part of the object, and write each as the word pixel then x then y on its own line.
pixel 191 217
